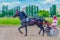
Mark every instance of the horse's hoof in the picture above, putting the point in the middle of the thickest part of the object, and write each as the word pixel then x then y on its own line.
pixel 25 35
pixel 42 35
pixel 20 31
pixel 39 33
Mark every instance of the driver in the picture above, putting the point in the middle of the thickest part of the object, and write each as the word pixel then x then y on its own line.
pixel 54 24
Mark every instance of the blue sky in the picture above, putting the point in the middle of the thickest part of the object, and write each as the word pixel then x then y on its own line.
pixel 43 4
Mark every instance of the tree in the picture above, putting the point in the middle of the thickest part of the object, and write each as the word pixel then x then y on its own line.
pixel 43 13
pixel 4 10
pixel 53 10
pixel 32 10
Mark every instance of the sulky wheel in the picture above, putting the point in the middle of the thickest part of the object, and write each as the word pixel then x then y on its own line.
pixel 54 32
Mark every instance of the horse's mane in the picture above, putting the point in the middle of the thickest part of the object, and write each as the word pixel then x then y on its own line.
pixel 22 15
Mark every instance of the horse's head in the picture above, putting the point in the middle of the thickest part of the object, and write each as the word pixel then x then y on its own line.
pixel 16 14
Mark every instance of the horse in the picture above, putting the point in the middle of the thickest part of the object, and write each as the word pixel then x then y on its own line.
pixel 32 21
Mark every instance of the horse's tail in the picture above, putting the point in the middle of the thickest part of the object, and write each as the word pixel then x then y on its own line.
pixel 46 22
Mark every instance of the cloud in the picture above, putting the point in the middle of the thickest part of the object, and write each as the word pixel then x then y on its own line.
pixel 57 3
pixel 5 3
pixel 10 4
pixel 44 4
pixel 48 1
pixel 8 0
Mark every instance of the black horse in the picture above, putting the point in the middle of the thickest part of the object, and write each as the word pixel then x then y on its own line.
pixel 31 21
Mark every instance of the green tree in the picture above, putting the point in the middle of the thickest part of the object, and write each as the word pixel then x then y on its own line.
pixel 4 10
pixel 53 10
pixel 43 13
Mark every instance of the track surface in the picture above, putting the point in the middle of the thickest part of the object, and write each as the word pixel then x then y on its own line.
pixel 11 33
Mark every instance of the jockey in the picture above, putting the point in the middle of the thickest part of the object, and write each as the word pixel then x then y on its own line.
pixel 26 17
pixel 23 16
pixel 54 24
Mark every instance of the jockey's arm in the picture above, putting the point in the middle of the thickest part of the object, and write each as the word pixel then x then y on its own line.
pixel 25 14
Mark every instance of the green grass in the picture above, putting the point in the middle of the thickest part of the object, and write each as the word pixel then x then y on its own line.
pixel 16 21
pixel 9 21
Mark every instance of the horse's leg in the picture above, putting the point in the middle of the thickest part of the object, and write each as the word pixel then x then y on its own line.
pixel 41 28
pixel 20 30
pixel 26 30
pixel 24 25
pixel 40 31
pixel 43 31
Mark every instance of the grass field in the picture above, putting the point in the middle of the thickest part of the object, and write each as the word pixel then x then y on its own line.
pixel 9 21
pixel 16 21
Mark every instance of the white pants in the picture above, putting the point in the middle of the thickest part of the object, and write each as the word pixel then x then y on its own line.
pixel 54 25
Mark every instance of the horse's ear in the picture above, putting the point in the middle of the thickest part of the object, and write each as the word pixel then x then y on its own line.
pixel 17 11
